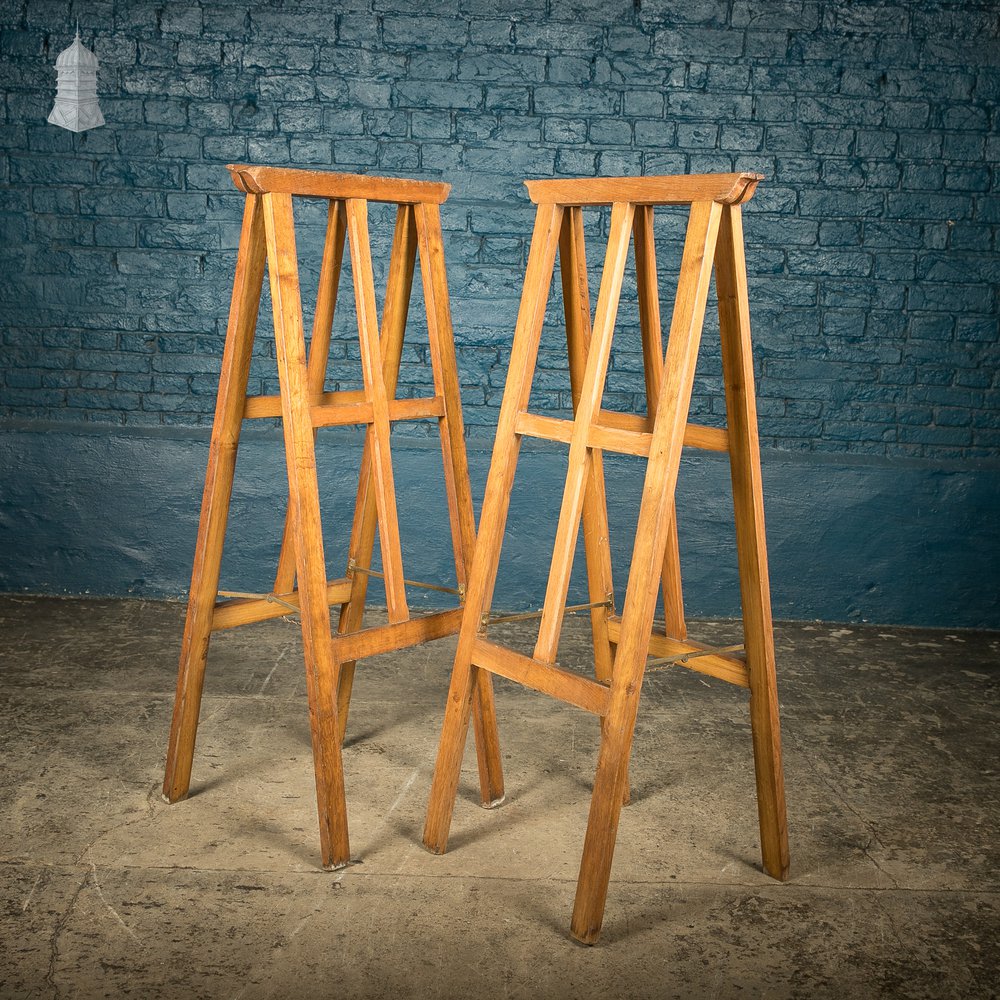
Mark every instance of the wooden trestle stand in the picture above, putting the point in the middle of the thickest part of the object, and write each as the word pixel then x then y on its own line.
pixel 267 242
pixel 622 643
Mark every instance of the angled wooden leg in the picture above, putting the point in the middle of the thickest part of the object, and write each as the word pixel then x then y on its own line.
pixel 751 546
pixel 321 668
pixel 482 577
pixel 580 461
pixel 456 477
pixel 597 545
pixel 375 392
pixel 319 356
pixel 444 367
pixel 394 315
pixel 596 533
pixel 652 351
pixel 215 502
pixel 647 562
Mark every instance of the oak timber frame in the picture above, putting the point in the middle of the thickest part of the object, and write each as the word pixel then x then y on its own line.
pixel 714 241
pixel 267 243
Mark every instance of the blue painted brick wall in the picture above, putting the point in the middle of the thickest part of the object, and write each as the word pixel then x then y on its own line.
pixel 873 243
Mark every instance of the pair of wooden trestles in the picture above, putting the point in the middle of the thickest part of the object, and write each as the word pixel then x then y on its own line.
pixel 622 643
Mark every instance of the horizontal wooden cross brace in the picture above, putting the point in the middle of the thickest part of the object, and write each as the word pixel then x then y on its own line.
pixel 726 668
pixel 401 635
pixel 545 677
pixel 346 645
pixel 624 433
pixel 244 610
pixel 593 696
pixel 341 409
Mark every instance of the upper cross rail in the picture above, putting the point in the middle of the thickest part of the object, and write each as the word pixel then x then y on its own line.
pixel 327 184
pixel 680 189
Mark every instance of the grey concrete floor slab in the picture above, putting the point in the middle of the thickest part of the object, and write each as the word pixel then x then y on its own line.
pixel 890 740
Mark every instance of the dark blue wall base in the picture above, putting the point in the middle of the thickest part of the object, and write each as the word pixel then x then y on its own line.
pixel 889 541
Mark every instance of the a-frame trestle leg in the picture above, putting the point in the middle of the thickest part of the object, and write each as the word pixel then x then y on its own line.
pixel 713 244
pixel 301 581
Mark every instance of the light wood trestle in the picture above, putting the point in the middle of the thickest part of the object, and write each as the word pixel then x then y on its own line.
pixel 267 244
pixel 622 643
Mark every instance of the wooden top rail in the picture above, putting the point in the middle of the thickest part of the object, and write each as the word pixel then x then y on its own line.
pixel 327 184
pixel 679 189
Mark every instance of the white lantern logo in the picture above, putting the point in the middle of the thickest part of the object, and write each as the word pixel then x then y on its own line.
pixel 76 106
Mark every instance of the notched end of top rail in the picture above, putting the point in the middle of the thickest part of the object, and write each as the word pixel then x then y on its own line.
pixel 744 188
pixel 243 179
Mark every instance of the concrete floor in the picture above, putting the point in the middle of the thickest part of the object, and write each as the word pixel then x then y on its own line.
pixel 890 740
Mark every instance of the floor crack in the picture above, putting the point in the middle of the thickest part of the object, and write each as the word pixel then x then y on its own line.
pixel 152 798
pixel 109 907
pixel 867 824
pixel 57 933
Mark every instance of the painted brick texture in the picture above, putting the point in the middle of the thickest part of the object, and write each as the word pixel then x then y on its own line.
pixel 872 245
